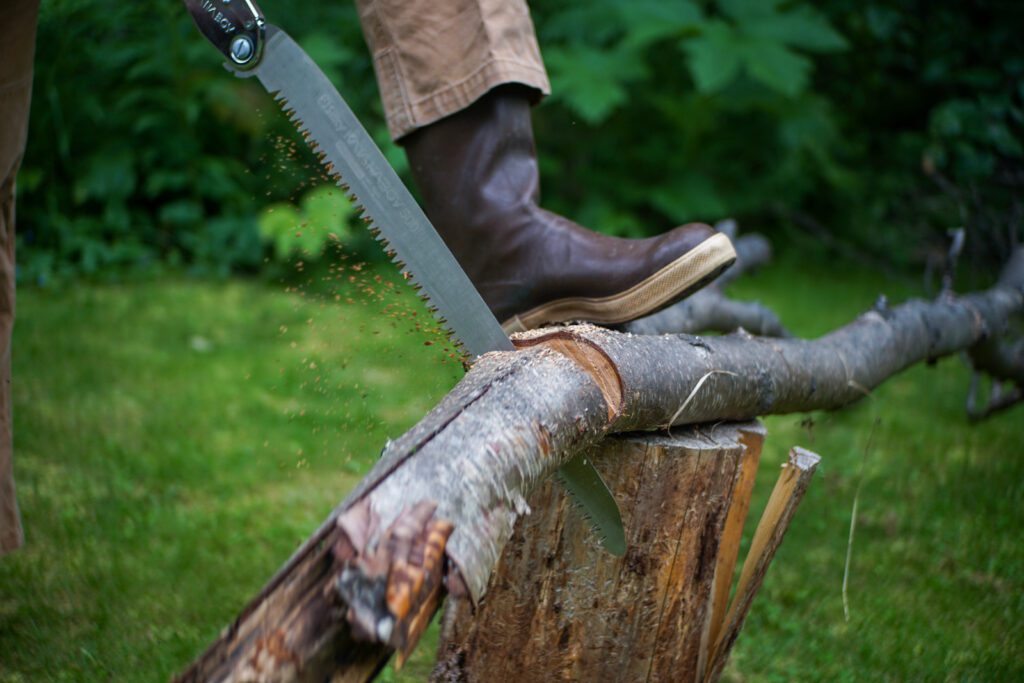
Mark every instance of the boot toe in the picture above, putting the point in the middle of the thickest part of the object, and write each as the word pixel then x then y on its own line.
pixel 680 263
pixel 679 241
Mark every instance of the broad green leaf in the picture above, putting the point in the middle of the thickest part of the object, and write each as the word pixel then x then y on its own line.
pixel 592 82
pixel 744 11
pixel 310 240
pixel 305 232
pixel 647 21
pixel 802 27
pixel 277 225
pixel 595 22
pixel 277 218
pixel 778 68
pixel 714 57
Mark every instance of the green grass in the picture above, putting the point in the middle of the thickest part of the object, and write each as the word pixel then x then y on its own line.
pixel 936 587
pixel 175 441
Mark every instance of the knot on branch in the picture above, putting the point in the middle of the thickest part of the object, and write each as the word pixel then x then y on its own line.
pixel 881 306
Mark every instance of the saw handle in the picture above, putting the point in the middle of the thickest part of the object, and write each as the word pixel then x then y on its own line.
pixel 235 27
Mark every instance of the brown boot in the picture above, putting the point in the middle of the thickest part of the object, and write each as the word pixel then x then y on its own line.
pixel 477 172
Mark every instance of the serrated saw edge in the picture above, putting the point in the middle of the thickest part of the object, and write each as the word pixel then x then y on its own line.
pixel 354 161
pixel 356 164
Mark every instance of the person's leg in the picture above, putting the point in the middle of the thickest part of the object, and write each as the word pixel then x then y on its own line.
pixel 477 171
pixel 433 58
pixel 17 45
pixel 457 78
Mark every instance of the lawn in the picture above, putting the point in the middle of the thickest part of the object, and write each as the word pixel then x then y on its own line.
pixel 176 440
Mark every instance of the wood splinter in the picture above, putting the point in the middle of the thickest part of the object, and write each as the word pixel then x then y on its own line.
pixel 392 589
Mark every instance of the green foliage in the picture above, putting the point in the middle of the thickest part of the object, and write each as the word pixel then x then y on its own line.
pixel 760 40
pixel 323 216
pixel 144 151
pixel 883 124
pixel 886 124
pixel 933 114
pixel 701 110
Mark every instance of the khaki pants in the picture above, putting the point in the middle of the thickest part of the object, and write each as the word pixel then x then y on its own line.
pixel 17 44
pixel 435 58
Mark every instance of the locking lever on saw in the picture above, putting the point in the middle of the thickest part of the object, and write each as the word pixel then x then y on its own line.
pixel 235 27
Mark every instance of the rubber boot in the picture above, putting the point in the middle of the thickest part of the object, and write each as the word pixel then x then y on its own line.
pixel 477 173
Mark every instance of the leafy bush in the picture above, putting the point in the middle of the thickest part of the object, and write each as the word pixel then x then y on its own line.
pixel 917 173
pixel 879 125
pixel 690 111
pixel 144 151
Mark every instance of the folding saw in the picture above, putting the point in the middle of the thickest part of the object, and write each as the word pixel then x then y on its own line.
pixel 253 47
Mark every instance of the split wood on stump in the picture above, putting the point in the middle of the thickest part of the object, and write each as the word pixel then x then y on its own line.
pixel 558 607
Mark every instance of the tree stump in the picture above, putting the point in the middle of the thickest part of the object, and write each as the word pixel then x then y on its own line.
pixel 559 607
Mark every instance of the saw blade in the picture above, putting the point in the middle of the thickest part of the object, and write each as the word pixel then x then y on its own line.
pixel 584 482
pixel 352 158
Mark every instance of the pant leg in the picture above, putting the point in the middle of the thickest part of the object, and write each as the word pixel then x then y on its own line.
pixel 17 45
pixel 436 57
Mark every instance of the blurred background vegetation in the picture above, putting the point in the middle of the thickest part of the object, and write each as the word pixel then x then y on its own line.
pixel 178 437
pixel 868 128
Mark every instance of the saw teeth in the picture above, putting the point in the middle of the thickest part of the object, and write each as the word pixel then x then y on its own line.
pixel 375 231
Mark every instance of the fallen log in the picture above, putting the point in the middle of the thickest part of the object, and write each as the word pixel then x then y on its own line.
pixel 508 425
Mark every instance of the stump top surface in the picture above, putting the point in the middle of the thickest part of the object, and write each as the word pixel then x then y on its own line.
pixel 701 437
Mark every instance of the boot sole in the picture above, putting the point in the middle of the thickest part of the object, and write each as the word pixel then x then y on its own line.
pixel 678 279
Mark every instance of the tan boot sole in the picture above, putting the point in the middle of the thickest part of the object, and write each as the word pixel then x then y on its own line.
pixel 685 275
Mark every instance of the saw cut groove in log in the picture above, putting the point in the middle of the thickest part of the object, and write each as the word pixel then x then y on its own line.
pixel 558 608
pixel 590 358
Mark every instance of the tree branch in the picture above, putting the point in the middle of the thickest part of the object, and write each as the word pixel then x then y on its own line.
pixel 998 356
